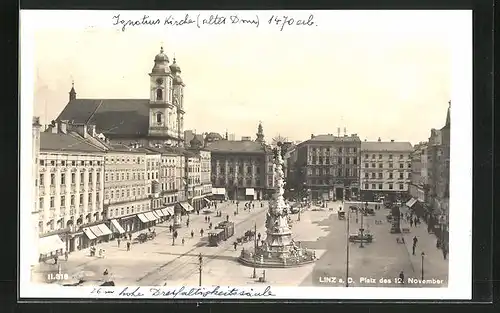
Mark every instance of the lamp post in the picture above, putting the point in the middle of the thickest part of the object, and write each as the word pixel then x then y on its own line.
pixel 200 260
pixel 361 229
pixel 254 250
pixel 423 256
pixel 347 244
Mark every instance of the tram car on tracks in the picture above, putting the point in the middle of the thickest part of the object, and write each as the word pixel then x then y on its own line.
pixel 228 228
pixel 215 237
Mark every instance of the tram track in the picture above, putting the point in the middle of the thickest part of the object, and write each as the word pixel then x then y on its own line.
pixel 187 263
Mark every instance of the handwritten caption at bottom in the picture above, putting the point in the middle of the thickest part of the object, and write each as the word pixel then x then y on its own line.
pixel 184 292
pixel 278 21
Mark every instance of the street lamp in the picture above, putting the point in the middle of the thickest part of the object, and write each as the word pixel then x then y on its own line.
pixel 423 255
pixel 254 250
pixel 361 229
pixel 347 245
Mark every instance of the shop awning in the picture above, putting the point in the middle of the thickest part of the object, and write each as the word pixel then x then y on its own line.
pixel 186 206
pixel 169 210
pixel 250 192
pixel 219 191
pixel 117 227
pixel 50 244
pixel 411 202
pixel 143 218
pixel 214 191
pixel 97 231
pixel 89 233
pixel 207 201
pixel 159 213
pixel 150 216
pixel 156 215
pixel 104 229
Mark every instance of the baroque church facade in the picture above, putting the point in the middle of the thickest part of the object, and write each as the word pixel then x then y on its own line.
pixel 158 120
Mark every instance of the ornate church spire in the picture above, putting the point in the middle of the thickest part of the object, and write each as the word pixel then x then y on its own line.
pixel 260 133
pixel 447 124
pixel 72 92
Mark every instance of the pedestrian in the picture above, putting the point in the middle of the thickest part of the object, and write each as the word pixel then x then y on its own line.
pixel 170 228
pixel 192 234
pixel 415 240
pixel 182 240
pixel 415 221
pixel 253 205
pixel 55 259
pixel 210 226
pixel 66 255
pixel 201 232
pixel 209 219
pixel 258 236
pixel 445 251
pixel 227 218
pixel 401 277
pixel 187 223
pixel 206 220
pixel 118 241
pixel 129 236
pixel 235 245
pixel 411 223
pixel 128 245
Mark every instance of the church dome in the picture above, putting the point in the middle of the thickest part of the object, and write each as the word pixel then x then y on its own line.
pixel 175 68
pixel 161 57
pixel 195 142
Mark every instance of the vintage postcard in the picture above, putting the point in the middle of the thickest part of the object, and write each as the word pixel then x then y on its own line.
pixel 246 154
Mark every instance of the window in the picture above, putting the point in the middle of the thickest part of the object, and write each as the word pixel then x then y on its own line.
pixel 380 156
pixel 41 179
pixel 72 200
pixel 366 186
pixel 379 186
pixel 373 165
pixel 40 203
pixel 379 175
pixel 390 176
pixel 401 175
pixel 366 165
pixel 89 198
pixel 159 94
pixel 390 165
pixel 354 150
pixel 366 157
pixel 401 187
pixel 81 199
pixel 158 118
pixel 390 186
pixel 52 179
pixel 373 175
pixel 339 161
pixel 374 186
pixel 401 165
pixel 355 161
pixel 366 175
pixel 63 201
pixel 380 165
pixel 90 178
pixel 81 178
pixel 340 150
pixel 112 194
pixel 51 202
pixel 346 160
pixel 63 179
pixel 52 162
pixel 82 163
pixel 373 156
pixel 42 162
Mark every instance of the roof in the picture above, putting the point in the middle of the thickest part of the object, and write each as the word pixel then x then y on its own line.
pixel 66 142
pixel 233 146
pixel 213 135
pixel 122 148
pixel 330 138
pixel 396 146
pixel 111 116
pixel 167 150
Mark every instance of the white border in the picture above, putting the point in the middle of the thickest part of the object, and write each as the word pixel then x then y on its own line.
pixel 460 272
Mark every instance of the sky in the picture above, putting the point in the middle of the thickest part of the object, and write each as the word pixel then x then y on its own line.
pixel 384 75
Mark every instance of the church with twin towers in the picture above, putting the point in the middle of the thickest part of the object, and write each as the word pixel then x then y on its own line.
pixel 158 120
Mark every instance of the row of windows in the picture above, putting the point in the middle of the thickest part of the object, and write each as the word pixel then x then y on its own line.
pixel 391 165
pixel 124 176
pixel 137 160
pixel 72 202
pixel 380 186
pixel 128 210
pixel 60 224
pixel 380 156
pixel 68 163
pixel 320 160
pixel 62 178
pixel 331 171
pixel 171 186
pixel 125 192
pixel 239 161
pixel 249 170
pixel 339 149
pixel 390 175
pixel 248 182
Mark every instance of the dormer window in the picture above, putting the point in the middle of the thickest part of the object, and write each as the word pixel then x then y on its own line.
pixel 158 118
pixel 159 94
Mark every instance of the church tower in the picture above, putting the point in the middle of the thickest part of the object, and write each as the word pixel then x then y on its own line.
pixel 178 98
pixel 163 121
pixel 260 133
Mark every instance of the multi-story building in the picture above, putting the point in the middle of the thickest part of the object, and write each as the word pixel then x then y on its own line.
pixel 242 169
pixel 419 183
pixel 71 188
pixel 125 193
pixel 206 179
pixel 156 120
pixel 386 169
pixel 328 166
pixel 33 253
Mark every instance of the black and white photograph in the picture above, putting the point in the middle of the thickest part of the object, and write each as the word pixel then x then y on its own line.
pixel 246 154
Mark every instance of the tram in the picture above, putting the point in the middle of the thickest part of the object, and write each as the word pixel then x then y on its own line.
pixel 215 237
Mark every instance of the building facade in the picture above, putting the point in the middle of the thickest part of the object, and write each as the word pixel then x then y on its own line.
pixel 71 186
pixel 386 169
pixel 33 252
pixel 327 166
pixel 419 183
pixel 125 193
pixel 157 120
pixel 242 169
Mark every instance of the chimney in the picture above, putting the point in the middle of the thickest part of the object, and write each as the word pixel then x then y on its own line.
pixel 379 140
pixel 81 129
pixel 62 127
pixel 312 136
pixel 392 140
pixel 92 130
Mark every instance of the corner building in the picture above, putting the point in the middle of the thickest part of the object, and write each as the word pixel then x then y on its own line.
pixel 386 169
pixel 327 166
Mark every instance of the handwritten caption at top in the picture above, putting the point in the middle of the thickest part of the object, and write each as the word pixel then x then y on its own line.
pixel 279 21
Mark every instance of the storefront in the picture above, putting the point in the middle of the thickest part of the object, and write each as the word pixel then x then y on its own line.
pixel 102 232
pixel 219 193
pixel 89 239
pixel 160 214
pixel 206 203
pixel 130 223
pixel 51 246
pixel 250 194
pixel 168 212
pixel 186 207
pixel 116 228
